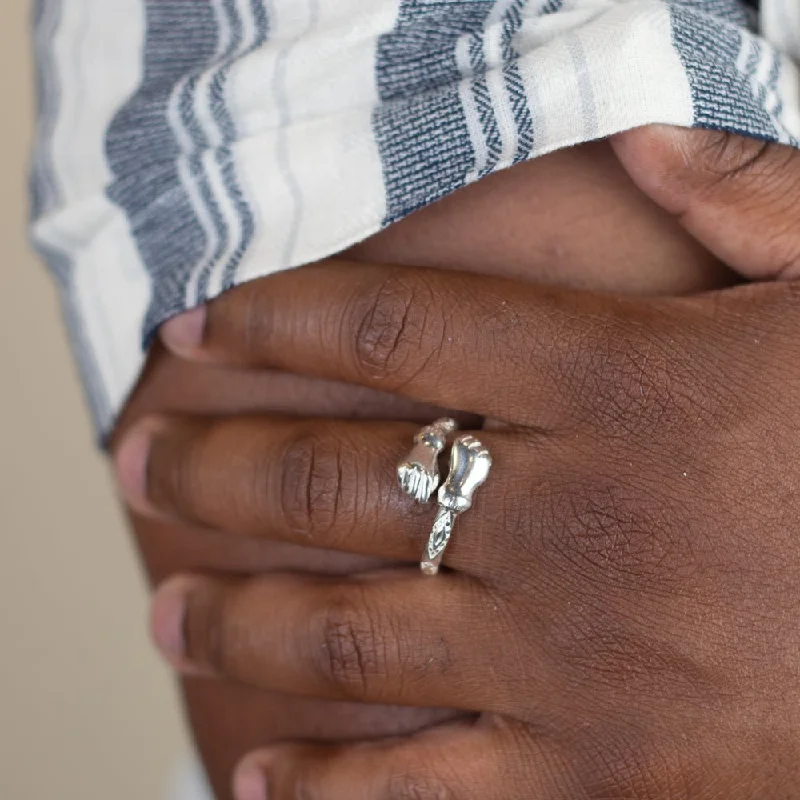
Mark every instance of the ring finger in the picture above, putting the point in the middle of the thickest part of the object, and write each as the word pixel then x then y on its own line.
pixel 322 483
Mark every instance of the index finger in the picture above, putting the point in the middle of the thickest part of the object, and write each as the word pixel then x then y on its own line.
pixel 484 345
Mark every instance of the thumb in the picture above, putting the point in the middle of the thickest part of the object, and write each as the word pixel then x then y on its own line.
pixel 738 196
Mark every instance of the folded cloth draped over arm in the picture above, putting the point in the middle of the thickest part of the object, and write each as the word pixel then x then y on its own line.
pixel 184 148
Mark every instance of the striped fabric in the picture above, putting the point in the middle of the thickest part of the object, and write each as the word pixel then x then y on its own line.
pixel 186 146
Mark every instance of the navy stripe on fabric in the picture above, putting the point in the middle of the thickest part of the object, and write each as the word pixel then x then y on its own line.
pixel 551 7
pixel 420 126
pixel 143 152
pixel 484 105
pixel 419 58
pixel 722 96
pixel 514 84
pixel 733 11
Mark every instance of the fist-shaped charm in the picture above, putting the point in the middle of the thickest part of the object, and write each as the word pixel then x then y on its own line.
pixel 418 474
pixel 470 463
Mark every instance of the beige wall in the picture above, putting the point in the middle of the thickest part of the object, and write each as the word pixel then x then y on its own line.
pixel 85 710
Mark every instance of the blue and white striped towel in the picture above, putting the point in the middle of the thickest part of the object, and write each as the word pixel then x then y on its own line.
pixel 185 146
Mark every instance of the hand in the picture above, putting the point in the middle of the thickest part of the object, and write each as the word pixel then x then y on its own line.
pixel 622 602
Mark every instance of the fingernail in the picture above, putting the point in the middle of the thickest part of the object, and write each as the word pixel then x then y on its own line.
pixel 250 783
pixel 167 617
pixel 130 464
pixel 184 334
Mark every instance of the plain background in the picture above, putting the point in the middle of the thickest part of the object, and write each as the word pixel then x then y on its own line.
pixel 86 710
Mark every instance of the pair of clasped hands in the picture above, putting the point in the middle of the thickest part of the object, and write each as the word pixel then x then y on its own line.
pixel 618 614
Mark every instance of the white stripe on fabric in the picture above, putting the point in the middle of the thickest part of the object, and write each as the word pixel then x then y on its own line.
pixel 780 24
pixel 218 275
pixel 327 70
pixel 104 268
pixel 283 103
pixel 190 86
pixel 222 236
pixel 193 192
pixel 636 76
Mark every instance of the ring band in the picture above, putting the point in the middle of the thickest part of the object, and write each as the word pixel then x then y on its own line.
pixel 470 463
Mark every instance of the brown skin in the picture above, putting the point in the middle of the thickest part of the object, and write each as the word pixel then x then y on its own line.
pixel 621 605
pixel 573 219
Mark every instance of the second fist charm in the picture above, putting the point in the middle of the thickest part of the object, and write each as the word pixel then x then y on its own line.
pixel 470 463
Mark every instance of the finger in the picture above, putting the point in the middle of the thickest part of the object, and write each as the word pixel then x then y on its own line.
pixel 394 638
pixel 425 334
pixel 320 483
pixel 307 481
pixel 737 195
pixel 460 761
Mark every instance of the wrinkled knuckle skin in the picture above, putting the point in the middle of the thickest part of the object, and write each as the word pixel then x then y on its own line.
pixel 412 786
pixel 635 770
pixel 600 375
pixel 630 385
pixel 617 533
pixel 712 159
pixel 395 329
pixel 715 156
pixel 350 652
pixel 775 169
pixel 314 494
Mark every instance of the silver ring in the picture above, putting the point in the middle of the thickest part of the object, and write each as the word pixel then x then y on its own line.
pixel 418 472
pixel 470 463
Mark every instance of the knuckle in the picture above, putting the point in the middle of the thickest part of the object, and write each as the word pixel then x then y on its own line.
pixel 730 172
pixel 618 533
pixel 763 178
pixel 620 766
pixel 395 329
pixel 779 318
pixel 716 156
pixel 628 382
pixel 772 170
pixel 351 653
pixel 692 164
pixel 695 164
pixel 313 495
pixel 677 165
pixel 609 370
